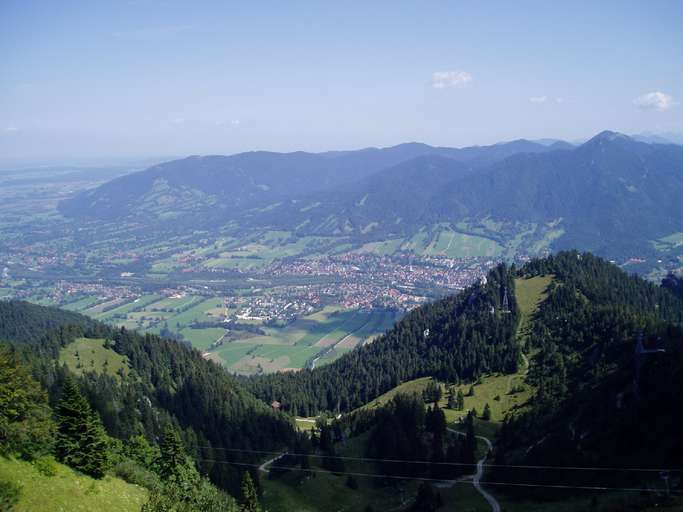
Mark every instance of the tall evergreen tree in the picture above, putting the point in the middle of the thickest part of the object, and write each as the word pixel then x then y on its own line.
pixel 81 440
pixel 249 496
pixel 486 415
pixel 26 426
pixel 172 456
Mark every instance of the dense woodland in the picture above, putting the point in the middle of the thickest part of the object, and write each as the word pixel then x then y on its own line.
pixel 170 386
pixel 605 349
pixel 457 338
pixel 599 402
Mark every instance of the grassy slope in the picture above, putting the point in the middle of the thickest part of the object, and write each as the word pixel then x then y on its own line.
pixel 529 294
pixel 69 490
pixel 92 357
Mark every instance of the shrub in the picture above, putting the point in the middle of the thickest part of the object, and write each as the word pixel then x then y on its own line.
pixel 46 465
pixel 134 473
pixel 9 495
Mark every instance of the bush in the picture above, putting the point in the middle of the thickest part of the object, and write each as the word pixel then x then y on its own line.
pixel 134 473
pixel 46 465
pixel 9 495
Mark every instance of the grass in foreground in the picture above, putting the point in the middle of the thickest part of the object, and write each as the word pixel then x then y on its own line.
pixel 69 490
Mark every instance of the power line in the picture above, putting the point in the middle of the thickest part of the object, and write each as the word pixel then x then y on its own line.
pixel 427 479
pixel 467 464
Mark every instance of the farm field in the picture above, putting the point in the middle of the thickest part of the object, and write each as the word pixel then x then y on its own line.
pixel 314 339
pixel 322 336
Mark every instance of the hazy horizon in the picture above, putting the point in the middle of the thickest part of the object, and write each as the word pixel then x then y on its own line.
pixel 147 78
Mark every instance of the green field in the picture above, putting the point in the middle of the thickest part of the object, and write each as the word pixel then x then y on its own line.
pixel 331 332
pixel 452 244
pixel 202 339
pixel 81 304
pixel 129 307
pixel 90 355
pixel 69 490
pixel 669 242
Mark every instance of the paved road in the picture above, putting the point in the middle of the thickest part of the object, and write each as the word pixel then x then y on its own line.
pixel 263 468
pixel 476 480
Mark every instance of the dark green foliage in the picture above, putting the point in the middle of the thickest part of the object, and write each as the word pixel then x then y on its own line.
pixel 46 465
pixel 182 488
pixel 432 392
pixel 203 497
pixel 135 473
pixel 469 448
pixel 427 499
pixel 587 378
pixel 23 322
pixel 466 340
pixel 249 495
pixel 169 383
pixel 26 426
pixel 674 283
pixel 81 441
pixel 403 430
pixel 172 457
pixel 9 495
pixel 486 415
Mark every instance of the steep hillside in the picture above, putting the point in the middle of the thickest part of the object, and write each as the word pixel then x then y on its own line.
pixel 608 353
pixel 161 382
pixel 613 195
pixel 67 489
pixel 212 190
pixel 457 338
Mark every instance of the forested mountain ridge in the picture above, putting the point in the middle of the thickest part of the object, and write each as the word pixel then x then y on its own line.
pixel 607 370
pixel 216 189
pixel 464 336
pixel 169 384
pixel 612 195
pixel 457 338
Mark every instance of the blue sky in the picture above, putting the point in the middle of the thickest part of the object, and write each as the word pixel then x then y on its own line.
pixel 90 79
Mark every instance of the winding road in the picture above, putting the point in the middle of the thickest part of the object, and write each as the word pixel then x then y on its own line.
pixel 263 468
pixel 476 479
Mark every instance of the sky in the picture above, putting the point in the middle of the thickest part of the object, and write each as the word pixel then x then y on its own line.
pixel 143 78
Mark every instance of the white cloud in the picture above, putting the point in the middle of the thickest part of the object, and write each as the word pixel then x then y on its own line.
pixel 178 120
pixel 222 122
pixel 10 129
pixel 445 79
pixel 545 99
pixel 656 100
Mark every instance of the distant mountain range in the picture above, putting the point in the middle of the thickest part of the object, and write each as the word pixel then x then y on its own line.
pixel 612 194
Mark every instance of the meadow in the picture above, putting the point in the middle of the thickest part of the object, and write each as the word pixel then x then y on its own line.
pixel 69 490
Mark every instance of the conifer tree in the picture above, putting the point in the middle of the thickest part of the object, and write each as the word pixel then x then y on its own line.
pixel 486 415
pixel 172 455
pixel 249 497
pixel 81 441
pixel 461 401
pixel 26 425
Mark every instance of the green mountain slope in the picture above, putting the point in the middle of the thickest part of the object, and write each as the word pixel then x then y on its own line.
pixel 166 383
pixel 67 489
